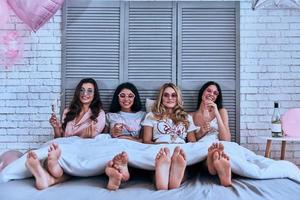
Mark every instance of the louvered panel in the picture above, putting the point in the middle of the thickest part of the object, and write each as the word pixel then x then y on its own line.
pixel 68 96
pixel 190 99
pixel 144 94
pixel 93 42
pixel 207 51
pixel 229 97
pixel 106 97
pixel 150 43
pixel 208 43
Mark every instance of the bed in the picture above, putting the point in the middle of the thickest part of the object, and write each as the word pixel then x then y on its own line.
pixel 198 187
pixel 280 179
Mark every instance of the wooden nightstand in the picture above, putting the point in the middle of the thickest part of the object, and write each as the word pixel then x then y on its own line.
pixel 283 140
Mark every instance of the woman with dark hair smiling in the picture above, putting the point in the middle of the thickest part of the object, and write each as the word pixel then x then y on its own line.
pixel 124 122
pixel 212 118
pixel 84 118
pixel 125 115
pixel 210 114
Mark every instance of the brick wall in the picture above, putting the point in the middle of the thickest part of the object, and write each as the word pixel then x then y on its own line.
pixel 28 88
pixel 270 70
pixel 270 59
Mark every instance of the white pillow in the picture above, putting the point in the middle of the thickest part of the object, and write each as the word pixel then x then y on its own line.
pixel 149 104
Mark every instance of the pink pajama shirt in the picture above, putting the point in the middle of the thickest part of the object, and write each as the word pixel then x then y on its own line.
pixel 79 129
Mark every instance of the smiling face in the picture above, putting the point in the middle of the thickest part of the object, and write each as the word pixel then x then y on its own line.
pixel 126 99
pixel 87 93
pixel 169 98
pixel 210 93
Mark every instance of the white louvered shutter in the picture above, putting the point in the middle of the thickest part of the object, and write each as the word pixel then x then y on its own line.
pixel 93 45
pixel 207 51
pixel 150 43
pixel 150 48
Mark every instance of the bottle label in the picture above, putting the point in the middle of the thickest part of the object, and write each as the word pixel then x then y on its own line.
pixel 276 128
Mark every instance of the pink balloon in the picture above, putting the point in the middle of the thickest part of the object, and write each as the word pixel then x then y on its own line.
pixel 290 122
pixel 8 157
pixel 11 48
pixel 4 13
pixel 35 13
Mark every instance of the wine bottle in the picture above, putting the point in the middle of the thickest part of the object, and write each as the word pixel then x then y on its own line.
pixel 276 122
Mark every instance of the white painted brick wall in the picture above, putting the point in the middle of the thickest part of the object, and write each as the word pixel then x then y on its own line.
pixel 28 89
pixel 270 59
pixel 270 63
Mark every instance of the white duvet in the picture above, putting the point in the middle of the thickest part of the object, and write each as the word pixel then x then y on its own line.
pixel 88 157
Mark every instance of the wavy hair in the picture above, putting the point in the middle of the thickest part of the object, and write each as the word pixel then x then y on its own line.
pixel 76 105
pixel 219 100
pixel 160 111
pixel 115 105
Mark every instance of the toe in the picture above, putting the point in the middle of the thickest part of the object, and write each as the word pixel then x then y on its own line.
pixel 221 146
pixel 176 150
pixel 110 163
pixel 182 153
pixel 167 151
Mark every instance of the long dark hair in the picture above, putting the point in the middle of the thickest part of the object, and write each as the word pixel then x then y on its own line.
pixel 219 100
pixel 115 105
pixel 75 106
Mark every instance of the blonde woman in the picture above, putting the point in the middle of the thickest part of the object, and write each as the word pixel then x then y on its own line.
pixel 168 123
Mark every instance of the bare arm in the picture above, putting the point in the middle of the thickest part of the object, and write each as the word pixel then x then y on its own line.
pixel 58 132
pixel 191 137
pixel 223 125
pixel 148 135
pixel 137 139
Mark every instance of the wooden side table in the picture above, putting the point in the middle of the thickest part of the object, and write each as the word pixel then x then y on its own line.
pixel 283 140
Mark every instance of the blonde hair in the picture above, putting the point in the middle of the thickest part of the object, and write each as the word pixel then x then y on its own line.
pixel 160 112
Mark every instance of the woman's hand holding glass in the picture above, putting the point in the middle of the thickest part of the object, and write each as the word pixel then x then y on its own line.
pixel 116 130
pixel 54 121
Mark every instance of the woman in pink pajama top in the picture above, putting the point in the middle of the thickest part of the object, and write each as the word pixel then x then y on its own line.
pixel 84 118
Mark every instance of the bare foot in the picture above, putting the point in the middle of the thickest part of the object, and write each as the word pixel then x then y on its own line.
pixel 211 150
pixel 114 176
pixel 178 164
pixel 120 162
pixel 42 178
pixel 222 166
pixel 53 166
pixel 162 169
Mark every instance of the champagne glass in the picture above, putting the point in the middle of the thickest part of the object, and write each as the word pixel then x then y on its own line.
pixel 54 104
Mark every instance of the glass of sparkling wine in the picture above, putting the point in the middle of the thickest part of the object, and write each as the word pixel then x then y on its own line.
pixel 54 104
